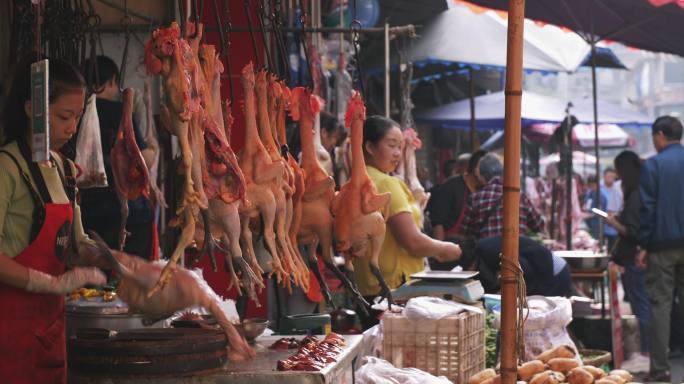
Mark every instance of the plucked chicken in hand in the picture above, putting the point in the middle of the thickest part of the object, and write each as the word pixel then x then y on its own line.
pixel 186 289
pixel 358 207
pixel 411 144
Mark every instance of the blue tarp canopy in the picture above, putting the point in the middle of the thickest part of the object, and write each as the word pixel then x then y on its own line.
pixel 536 108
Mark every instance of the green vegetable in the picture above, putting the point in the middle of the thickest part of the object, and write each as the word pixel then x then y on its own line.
pixel 490 341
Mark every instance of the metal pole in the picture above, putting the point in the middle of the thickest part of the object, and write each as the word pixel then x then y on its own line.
pixel 474 142
pixel 341 26
pixel 567 148
pixel 511 198
pixel 387 71
pixel 596 134
pixel 409 29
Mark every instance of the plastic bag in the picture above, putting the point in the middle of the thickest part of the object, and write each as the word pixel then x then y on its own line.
pixel 372 341
pixel 546 324
pixel 89 149
pixel 379 371
pixel 434 308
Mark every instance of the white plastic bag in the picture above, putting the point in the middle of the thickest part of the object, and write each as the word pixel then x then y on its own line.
pixel 372 341
pixel 546 324
pixel 434 308
pixel 89 149
pixel 379 371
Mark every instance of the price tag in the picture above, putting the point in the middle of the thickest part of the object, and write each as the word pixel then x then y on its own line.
pixel 40 111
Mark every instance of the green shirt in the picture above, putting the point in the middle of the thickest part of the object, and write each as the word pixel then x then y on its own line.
pixel 396 263
pixel 16 203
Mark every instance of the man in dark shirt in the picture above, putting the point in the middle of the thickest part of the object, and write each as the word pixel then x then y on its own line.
pixel 545 273
pixel 448 200
pixel 661 234
pixel 100 207
pixel 484 212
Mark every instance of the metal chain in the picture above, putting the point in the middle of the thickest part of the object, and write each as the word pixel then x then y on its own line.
pixel 261 14
pixel 251 32
pixel 93 21
pixel 224 36
pixel 181 13
pixel 126 23
pixel 278 33
pixel 355 27
pixel 195 13
pixel 303 40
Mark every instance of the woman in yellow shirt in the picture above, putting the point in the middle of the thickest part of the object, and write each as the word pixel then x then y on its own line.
pixel 405 246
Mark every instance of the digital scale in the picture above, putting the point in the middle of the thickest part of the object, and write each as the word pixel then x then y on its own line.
pixel 455 286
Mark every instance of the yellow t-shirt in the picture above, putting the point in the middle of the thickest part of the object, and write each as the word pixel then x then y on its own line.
pixel 16 204
pixel 396 264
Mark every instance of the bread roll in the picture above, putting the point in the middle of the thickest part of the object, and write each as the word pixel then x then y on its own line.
pixel 563 364
pixel 529 369
pixel 559 351
pixel 622 373
pixel 579 375
pixel 493 380
pixel 598 373
pixel 481 376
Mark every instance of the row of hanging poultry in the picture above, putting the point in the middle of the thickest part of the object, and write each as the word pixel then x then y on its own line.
pixel 225 196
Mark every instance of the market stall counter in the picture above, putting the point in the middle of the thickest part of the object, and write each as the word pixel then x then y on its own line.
pixel 262 369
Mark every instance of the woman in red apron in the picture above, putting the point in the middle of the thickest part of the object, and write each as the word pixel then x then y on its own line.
pixel 35 241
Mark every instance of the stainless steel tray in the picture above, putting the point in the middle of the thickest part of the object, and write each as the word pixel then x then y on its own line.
pixel 262 369
pixel 584 260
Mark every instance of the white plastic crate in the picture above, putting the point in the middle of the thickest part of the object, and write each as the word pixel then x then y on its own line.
pixel 452 346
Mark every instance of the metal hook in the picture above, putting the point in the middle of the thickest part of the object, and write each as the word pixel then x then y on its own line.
pixel 302 22
pixel 261 14
pixel 126 23
pixel 196 17
pixel 278 33
pixel 251 32
pixel 355 26
pixel 224 36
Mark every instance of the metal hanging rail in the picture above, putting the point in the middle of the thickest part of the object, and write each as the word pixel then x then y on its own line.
pixel 393 31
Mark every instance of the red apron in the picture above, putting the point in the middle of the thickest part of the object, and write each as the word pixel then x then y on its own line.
pixel 32 332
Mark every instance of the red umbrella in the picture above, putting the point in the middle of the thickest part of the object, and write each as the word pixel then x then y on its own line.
pixel 659 3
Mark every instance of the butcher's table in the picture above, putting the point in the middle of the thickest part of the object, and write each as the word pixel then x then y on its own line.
pixel 262 369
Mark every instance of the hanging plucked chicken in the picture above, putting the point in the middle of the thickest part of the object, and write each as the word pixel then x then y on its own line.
pixel 358 207
pixel 168 55
pixel 259 171
pixel 128 166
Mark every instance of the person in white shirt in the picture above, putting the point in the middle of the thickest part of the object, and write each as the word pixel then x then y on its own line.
pixel 613 191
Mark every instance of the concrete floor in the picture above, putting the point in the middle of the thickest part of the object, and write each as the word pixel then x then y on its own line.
pixel 676 364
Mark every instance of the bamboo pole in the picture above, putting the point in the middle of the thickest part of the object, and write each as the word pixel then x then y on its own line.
pixel 511 199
